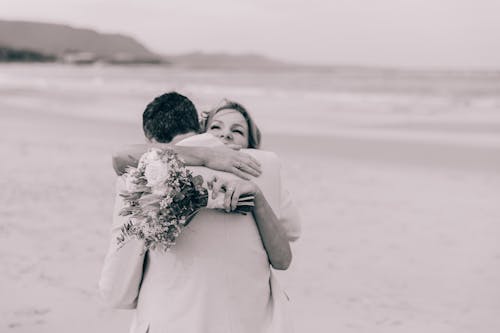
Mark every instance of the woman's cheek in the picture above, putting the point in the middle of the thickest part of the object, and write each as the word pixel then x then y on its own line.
pixel 242 141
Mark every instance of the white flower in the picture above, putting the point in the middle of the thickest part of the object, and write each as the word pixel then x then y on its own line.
pixel 130 184
pixel 161 189
pixel 166 202
pixel 153 154
pixel 156 172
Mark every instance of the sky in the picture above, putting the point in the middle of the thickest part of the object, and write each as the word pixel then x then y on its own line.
pixel 395 33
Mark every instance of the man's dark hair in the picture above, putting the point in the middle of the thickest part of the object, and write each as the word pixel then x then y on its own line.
pixel 169 115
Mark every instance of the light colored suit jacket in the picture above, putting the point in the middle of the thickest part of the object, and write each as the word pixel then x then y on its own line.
pixel 156 284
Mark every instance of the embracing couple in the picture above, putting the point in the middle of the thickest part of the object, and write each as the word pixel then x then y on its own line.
pixel 217 278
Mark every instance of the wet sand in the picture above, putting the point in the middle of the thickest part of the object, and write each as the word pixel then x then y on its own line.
pixel 397 236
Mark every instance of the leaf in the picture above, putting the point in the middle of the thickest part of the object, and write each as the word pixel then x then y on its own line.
pixel 150 199
pixel 242 204
pixel 243 209
pixel 179 197
pixel 246 198
pixel 198 180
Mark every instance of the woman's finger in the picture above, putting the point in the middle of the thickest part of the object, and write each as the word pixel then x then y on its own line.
pixel 235 198
pixel 210 182
pixel 227 198
pixel 254 164
pixel 250 165
pixel 254 160
pixel 250 161
pixel 240 173
pixel 249 170
pixel 217 185
pixel 234 147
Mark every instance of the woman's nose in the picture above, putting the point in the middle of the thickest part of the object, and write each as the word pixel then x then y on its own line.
pixel 226 134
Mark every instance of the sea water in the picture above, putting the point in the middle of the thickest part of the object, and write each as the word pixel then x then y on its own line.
pixel 426 105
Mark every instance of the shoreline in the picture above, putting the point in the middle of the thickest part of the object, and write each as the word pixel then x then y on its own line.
pixel 389 150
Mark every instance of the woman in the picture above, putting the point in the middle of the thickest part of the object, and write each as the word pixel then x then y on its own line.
pixel 232 124
pixel 217 277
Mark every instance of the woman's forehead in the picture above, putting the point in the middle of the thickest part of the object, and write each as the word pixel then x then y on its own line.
pixel 230 116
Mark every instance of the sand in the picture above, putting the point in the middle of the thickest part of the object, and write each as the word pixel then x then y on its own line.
pixel 397 237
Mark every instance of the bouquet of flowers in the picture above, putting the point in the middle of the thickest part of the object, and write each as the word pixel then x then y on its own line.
pixel 161 196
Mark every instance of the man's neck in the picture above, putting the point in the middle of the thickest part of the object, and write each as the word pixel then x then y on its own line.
pixel 181 137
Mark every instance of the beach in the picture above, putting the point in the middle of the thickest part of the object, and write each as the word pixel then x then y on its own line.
pixel 400 206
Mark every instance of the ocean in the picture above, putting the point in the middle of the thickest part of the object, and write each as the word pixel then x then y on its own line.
pixel 457 107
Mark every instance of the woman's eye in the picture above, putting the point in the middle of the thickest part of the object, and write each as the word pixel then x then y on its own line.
pixel 238 131
pixel 214 127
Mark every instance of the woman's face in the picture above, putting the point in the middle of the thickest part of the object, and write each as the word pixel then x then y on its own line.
pixel 230 127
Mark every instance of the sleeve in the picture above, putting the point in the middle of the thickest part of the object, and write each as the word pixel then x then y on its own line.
pixel 289 216
pixel 121 274
pixel 273 185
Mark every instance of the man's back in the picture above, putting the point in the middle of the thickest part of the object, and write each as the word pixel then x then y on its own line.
pixel 216 277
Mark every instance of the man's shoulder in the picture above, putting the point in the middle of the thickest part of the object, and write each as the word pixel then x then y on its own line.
pixel 267 159
pixel 201 140
pixel 265 154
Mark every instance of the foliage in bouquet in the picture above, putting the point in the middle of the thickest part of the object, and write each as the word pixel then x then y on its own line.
pixel 161 197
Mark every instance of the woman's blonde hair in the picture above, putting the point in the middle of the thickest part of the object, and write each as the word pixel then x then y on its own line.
pixel 254 135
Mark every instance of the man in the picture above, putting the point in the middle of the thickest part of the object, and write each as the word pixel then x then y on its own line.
pixel 168 119
pixel 190 289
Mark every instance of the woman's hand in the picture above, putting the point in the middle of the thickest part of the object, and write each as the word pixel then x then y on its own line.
pixel 230 159
pixel 233 190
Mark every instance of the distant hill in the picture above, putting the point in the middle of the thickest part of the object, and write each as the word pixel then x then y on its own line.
pixel 58 40
pixel 35 41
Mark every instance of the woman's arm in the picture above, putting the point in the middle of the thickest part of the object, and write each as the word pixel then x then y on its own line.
pixel 216 158
pixel 271 232
pixel 273 237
